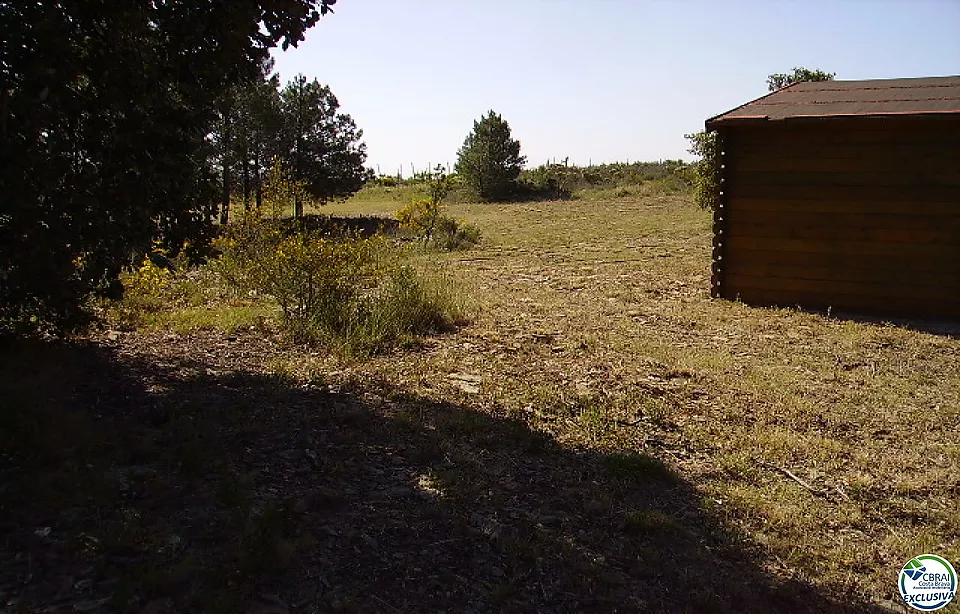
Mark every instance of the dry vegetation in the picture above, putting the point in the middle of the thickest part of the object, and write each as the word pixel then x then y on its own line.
pixel 603 437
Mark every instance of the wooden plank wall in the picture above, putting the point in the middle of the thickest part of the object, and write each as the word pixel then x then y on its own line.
pixel 856 215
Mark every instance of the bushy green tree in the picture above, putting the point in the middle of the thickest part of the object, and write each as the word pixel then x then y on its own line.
pixel 704 145
pixel 781 80
pixel 105 110
pixel 322 145
pixel 248 138
pixel 489 162
pixel 706 170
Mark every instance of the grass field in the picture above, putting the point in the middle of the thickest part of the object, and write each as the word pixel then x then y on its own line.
pixel 832 444
pixel 603 437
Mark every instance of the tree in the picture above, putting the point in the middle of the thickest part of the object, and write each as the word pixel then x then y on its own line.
pixel 706 170
pixel 105 110
pixel 322 145
pixel 704 144
pixel 781 80
pixel 261 123
pixel 246 137
pixel 489 161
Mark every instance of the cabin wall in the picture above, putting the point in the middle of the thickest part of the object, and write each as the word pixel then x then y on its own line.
pixel 855 215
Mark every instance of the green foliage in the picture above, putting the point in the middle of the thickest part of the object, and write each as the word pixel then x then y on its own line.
pixel 550 181
pixel 247 136
pixel 489 160
pixel 706 175
pixel 158 285
pixel 407 304
pixel 424 216
pixel 452 235
pixel 281 191
pixel 322 145
pixel 355 294
pixel 781 80
pixel 387 181
pixel 560 181
pixel 104 113
pixel 420 215
pixel 145 287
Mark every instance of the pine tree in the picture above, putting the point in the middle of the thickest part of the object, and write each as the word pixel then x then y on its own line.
pixel 322 145
pixel 489 161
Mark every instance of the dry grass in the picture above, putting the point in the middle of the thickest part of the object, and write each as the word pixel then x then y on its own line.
pixel 597 327
pixel 603 437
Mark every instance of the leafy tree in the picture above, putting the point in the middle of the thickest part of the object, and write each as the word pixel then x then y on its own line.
pixel 706 170
pixel 281 192
pixel 105 110
pixel 261 123
pixel 781 80
pixel 246 137
pixel 704 145
pixel 323 145
pixel 489 161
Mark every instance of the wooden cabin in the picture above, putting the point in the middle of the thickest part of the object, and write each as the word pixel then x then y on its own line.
pixel 842 195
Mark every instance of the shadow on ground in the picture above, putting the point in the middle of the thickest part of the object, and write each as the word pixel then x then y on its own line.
pixel 943 327
pixel 134 485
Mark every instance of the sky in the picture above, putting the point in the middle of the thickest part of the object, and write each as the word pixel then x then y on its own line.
pixel 595 80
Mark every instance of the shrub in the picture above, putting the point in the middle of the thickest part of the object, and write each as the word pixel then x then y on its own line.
pixel 281 191
pixel 451 235
pixel 424 216
pixel 356 294
pixel 314 278
pixel 408 303
pixel 420 215
pixel 706 169
pixel 560 181
pixel 144 288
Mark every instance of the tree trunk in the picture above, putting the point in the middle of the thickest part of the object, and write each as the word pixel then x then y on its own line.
pixel 246 178
pixel 225 153
pixel 257 176
pixel 225 198
pixel 298 169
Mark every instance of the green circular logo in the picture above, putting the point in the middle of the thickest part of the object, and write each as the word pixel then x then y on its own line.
pixel 928 582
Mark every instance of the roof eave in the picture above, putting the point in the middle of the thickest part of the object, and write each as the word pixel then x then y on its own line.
pixel 711 123
pixel 719 122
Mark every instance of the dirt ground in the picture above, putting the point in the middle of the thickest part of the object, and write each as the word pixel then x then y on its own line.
pixel 602 438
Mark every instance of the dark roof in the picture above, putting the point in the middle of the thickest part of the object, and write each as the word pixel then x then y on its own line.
pixel 877 97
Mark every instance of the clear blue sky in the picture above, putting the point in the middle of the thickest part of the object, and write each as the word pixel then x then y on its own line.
pixel 600 80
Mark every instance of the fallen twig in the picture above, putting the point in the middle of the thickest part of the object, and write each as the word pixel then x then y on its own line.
pixel 792 476
pixel 820 492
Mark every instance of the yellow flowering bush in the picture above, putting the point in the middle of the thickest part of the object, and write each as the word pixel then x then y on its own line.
pixel 144 287
pixel 425 216
pixel 281 192
pixel 420 215
pixel 315 279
